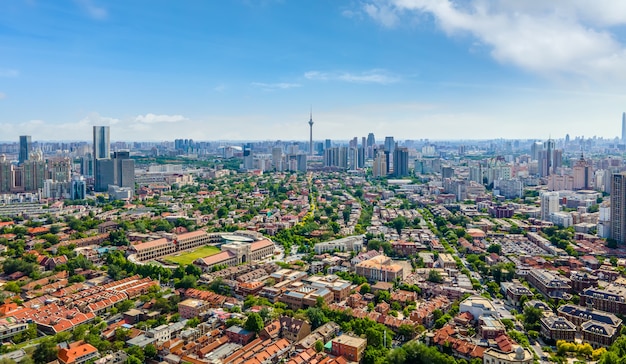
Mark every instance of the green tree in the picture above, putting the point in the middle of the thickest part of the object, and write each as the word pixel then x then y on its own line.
pixel 319 346
pixel 45 352
pixel 532 315
pixel 254 323
pixel 150 351
pixel 435 276
pixel 365 288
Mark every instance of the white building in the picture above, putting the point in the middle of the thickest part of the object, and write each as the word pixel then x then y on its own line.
pixel 549 204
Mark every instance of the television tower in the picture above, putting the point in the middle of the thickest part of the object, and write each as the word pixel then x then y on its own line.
pixel 311 132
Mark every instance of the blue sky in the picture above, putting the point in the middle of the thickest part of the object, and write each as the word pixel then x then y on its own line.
pixel 251 69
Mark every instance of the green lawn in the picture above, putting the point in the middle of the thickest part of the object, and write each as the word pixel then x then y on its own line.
pixel 189 257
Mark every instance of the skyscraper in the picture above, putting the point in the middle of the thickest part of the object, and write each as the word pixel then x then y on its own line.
pixel 618 209
pixel 389 146
pixel 101 154
pixel 401 162
pixel 311 133
pixel 25 148
pixel 101 142
pixel 624 127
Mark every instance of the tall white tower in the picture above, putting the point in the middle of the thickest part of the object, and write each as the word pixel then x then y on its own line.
pixel 624 127
pixel 311 132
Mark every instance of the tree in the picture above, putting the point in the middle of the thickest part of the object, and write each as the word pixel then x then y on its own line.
pixel 254 323
pixel 45 352
pixel 133 360
pixel 495 248
pixel 316 316
pixel 365 288
pixel 407 331
pixel 188 281
pixel 12 286
pixel 532 315
pixel 150 351
pixel 319 346
pixel 434 276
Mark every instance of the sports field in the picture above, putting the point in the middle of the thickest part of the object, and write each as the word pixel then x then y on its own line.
pixel 189 257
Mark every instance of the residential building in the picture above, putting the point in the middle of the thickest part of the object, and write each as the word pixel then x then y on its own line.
pixel 191 308
pixel 294 329
pixel 548 283
pixel 350 347
pixel 557 328
pixel 611 299
pixel 77 353
pixel 599 334
pixel 549 204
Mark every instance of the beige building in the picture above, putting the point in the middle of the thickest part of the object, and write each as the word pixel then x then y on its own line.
pixel 517 356
pixel 236 253
pixel 380 268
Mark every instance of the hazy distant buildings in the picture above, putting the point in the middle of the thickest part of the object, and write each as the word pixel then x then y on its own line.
pixel 623 127
pixel 371 141
pixel 549 159
pixel 277 159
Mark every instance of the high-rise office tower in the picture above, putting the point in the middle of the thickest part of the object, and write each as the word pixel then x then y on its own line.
pixel 248 158
pixel 389 146
pixel 25 148
pixel 118 171
pixel 618 207
pixel 328 143
pixel 124 169
pixel 101 142
pixel 401 162
pixel 549 159
pixel 101 154
pixel 311 133
pixel 623 127
pixel 371 141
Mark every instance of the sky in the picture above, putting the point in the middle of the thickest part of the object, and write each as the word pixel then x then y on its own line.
pixel 158 70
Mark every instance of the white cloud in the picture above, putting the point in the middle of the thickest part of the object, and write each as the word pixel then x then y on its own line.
pixel 2 95
pixel 383 13
pixel 153 118
pixel 555 37
pixel 9 73
pixel 372 76
pixel 93 10
pixel 96 119
pixel 275 86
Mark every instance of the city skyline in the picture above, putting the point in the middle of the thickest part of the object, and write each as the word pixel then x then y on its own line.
pixel 249 70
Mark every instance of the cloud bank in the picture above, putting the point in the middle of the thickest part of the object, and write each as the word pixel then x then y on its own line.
pixel 557 37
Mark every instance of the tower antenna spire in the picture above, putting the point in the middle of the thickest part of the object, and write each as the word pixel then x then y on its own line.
pixel 311 132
